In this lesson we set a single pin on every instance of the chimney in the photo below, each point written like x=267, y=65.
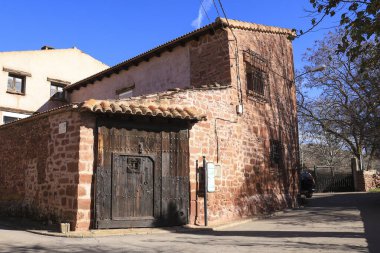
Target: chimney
x=47, y=48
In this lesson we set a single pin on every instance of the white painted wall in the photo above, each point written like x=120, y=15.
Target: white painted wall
x=69, y=65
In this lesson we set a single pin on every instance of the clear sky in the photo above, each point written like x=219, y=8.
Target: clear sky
x=115, y=30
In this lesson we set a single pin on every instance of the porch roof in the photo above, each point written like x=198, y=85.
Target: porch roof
x=142, y=107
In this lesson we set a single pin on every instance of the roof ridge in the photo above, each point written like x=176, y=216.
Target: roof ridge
x=245, y=25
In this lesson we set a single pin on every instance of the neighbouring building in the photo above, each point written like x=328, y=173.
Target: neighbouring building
x=122, y=152
x=29, y=79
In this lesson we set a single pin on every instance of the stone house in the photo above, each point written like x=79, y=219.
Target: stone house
x=32, y=80
x=123, y=151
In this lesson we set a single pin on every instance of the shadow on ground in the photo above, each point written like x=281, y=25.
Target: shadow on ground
x=369, y=206
x=328, y=209
x=22, y=224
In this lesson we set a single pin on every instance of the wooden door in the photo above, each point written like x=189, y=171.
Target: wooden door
x=132, y=188
x=142, y=174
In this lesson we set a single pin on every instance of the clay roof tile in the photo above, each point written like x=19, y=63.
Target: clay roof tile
x=141, y=107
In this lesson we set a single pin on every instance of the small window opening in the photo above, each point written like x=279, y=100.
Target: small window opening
x=56, y=90
x=275, y=151
x=16, y=84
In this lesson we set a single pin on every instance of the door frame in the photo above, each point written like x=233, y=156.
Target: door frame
x=146, y=124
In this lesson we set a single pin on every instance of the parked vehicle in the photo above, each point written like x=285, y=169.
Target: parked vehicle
x=307, y=184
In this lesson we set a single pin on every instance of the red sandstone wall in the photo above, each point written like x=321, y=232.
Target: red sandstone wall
x=210, y=60
x=42, y=172
x=248, y=184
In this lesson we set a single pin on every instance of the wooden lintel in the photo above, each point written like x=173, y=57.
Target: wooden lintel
x=15, y=110
x=54, y=80
x=17, y=72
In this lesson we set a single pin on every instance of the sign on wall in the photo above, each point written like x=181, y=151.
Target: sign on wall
x=62, y=127
x=210, y=177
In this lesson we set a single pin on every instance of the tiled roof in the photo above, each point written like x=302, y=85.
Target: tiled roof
x=146, y=108
x=145, y=104
x=182, y=40
x=256, y=27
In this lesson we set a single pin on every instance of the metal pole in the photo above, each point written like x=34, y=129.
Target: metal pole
x=205, y=191
x=196, y=189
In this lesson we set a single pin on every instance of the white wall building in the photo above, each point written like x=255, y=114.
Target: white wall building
x=31, y=81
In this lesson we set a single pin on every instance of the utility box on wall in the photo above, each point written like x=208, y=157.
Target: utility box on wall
x=210, y=177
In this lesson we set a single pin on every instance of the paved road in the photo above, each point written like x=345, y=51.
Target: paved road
x=347, y=222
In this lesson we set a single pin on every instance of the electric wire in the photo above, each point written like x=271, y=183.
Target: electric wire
x=209, y=20
x=238, y=80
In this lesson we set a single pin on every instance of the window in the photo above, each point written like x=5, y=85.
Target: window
x=126, y=92
x=56, y=90
x=275, y=151
x=255, y=81
x=8, y=119
x=256, y=75
x=16, y=84
x=11, y=116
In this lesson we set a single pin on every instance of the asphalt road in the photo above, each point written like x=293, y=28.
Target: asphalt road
x=348, y=222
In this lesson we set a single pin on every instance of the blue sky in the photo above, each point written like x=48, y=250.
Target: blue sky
x=115, y=30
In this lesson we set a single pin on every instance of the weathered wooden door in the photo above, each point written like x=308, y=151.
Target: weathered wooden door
x=142, y=174
x=132, y=187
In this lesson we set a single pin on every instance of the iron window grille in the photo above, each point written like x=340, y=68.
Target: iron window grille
x=275, y=151
x=256, y=75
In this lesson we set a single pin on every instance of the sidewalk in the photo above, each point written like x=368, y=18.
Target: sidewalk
x=53, y=230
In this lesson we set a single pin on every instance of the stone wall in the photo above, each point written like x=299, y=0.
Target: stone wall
x=162, y=72
x=247, y=184
x=42, y=171
x=210, y=59
x=371, y=179
x=250, y=183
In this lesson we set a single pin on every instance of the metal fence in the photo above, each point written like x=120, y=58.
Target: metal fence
x=328, y=179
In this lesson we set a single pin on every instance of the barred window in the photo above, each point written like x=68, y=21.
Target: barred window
x=255, y=81
x=275, y=151
x=256, y=74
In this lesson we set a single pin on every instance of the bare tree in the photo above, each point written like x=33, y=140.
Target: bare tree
x=360, y=22
x=320, y=148
x=342, y=101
